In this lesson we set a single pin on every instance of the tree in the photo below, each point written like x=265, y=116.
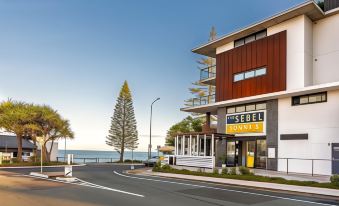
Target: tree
x=49, y=124
x=200, y=90
x=16, y=117
x=30, y=120
x=123, y=133
x=189, y=124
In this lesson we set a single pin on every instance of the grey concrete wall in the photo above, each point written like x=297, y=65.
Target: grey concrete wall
x=221, y=126
x=272, y=131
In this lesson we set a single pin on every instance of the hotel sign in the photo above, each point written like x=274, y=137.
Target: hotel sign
x=246, y=123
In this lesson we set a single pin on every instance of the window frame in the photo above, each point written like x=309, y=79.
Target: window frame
x=255, y=35
x=308, y=99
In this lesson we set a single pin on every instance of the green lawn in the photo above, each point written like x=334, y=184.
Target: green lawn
x=248, y=177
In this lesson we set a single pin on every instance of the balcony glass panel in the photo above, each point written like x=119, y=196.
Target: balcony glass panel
x=207, y=73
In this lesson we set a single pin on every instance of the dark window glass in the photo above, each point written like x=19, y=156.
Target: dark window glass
x=239, y=42
x=249, y=39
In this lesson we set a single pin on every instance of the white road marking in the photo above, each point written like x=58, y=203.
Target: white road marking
x=87, y=184
x=228, y=190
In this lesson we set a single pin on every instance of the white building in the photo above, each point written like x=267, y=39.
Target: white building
x=277, y=95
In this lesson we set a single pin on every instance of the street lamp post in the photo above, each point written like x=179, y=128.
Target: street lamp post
x=150, y=131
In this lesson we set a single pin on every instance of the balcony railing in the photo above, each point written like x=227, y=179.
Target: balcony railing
x=207, y=73
x=209, y=99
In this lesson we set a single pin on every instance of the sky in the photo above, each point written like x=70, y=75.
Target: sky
x=75, y=56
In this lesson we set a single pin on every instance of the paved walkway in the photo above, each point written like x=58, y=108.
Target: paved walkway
x=263, y=185
x=292, y=176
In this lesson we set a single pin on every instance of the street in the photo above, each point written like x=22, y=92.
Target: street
x=108, y=185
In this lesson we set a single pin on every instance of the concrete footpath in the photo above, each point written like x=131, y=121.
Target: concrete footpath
x=262, y=185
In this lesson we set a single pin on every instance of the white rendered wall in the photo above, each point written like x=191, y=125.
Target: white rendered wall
x=225, y=47
x=320, y=121
x=326, y=50
x=299, y=50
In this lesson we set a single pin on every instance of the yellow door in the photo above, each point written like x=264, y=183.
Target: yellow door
x=250, y=154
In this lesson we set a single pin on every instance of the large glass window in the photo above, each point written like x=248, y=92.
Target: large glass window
x=230, y=154
x=261, y=154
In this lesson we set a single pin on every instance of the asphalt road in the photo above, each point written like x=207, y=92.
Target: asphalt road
x=108, y=185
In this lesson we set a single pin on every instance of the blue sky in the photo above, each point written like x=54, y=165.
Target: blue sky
x=75, y=55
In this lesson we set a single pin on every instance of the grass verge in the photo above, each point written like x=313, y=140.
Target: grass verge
x=248, y=177
x=28, y=164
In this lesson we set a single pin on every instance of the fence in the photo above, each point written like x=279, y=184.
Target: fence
x=304, y=165
x=88, y=159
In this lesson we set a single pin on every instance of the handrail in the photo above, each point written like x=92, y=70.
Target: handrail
x=207, y=72
x=208, y=99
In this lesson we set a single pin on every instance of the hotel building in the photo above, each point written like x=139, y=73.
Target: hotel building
x=276, y=95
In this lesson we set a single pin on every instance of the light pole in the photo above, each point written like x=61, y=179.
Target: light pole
x=150, y=131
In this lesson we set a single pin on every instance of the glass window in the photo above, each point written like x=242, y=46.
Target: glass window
x=323, y=97
x=249, y=74
x=261, y=34
x=239, y=42
x=261, y=71
x=230, y=110
x=303, y=100
x=314, y=98
x=309, y=99
x=240, y=109
x=230, y=153
x=238, y=77
x=249, y=39
x=260, y=106
x=250, y=107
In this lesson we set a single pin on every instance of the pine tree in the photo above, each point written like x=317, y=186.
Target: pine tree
x=123, y=133
x=200, y=90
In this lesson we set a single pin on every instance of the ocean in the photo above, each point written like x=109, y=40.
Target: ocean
x=103, y=156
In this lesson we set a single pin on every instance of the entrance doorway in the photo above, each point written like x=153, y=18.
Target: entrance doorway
x=248, y=152
x=335, y=158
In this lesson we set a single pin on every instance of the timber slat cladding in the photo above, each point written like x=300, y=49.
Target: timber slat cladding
x=269, y=52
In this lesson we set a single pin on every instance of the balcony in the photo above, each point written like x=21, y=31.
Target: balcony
x=209, y=99
x=207, y=75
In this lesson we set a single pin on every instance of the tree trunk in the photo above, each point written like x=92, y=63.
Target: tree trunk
x=19, y=141
x=45, y=153
x=49, y=152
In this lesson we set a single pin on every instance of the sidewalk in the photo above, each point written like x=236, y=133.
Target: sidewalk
x=262, y=185
x=292, y=176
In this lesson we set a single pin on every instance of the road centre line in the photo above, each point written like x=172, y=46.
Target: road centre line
x=223, y=189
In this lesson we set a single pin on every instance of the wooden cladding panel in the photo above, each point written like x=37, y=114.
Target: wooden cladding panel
x=269, y=52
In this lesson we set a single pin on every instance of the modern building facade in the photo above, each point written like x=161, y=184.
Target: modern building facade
x=277, y=95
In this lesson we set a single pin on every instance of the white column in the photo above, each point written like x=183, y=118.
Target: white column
x=198, y=145
x=190, y=146
x=212, y=153
x=205, y=145
x=176, y=145
x=183, y=145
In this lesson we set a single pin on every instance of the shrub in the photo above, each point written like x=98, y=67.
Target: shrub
x=224, y=171
x=244, y=171
x=215, y=171
x=166, y=167
x=233, y=171
x=335, y=180
x=15, y=160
